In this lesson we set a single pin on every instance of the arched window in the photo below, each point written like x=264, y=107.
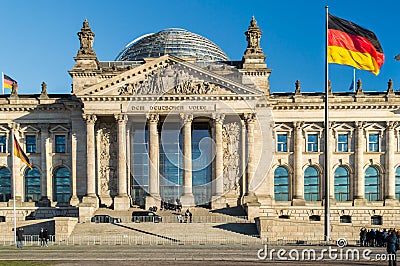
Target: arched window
x=372, y=184
x=398, y=183
x=311, y=184
x=5, y=184
x=341, y=184
x=32, y=185
x=62, y=185
x=281, y=184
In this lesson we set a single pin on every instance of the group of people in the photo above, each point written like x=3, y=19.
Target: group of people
x=171, y=205
x=188, y=217
x=382, y=238
x=43, y=237
x=376, y=237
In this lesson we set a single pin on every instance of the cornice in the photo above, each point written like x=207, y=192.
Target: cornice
x=143, y=98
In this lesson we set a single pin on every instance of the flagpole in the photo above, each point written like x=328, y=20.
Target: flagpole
x=2, y=82
x=13, y=180
x=326, y=131
x=354, y=80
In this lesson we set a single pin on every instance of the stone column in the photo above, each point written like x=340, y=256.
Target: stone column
x=121, y=201
x=359, y=181
x=154, y=153
x=44, y=158
x=74, y=198
x=187, y=199
x=217, y=200
x=91, y=197
x=243, y=160
x=250, y=196
x=298, y=179
x=390, y=198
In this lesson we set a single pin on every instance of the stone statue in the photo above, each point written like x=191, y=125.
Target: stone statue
x=43, y=93
x=14, y=89
x=86, y=38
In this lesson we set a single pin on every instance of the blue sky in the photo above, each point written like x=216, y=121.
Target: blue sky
x=39, y=37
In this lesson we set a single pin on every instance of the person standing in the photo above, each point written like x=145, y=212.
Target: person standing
x=391, y=247
x=20, y=237
x=46, y=238
x=42, y=239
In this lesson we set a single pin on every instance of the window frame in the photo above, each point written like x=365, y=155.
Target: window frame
x=312, y=143
x=340, y=144
x=317, y=185
x=28, y=146
x=4, y=148
x=348, y=185
x=282, y=185
x=279, y=144
x=378, y=143
x=55, y=142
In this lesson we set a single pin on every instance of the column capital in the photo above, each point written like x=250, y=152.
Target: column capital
x=89, y=118
x=153, y=118
x=186, y=118
x=249, y=117
x=298, y=125
x=218, y=117
x=121, y=118
x=391, y=125
x=14, y=126
x=360, y=124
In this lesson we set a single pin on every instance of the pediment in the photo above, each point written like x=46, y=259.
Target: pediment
x=374, y=127
x=343, y=127
x=59, y=129
x=282, y=128
x=169, y=75
x=313, y=128
x=30, y=129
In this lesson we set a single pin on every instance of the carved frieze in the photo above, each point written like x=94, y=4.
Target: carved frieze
x=169, y=81
x=231, y=136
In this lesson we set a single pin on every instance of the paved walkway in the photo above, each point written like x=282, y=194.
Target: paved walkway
x=172, y=255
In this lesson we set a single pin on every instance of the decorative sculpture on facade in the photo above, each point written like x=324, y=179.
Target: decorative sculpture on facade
x=253, y=36
x=107, y=134
x=169, y=81
x=231, y=136
x=86, y=39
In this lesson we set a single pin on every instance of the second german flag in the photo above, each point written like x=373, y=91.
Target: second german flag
x=350, y=44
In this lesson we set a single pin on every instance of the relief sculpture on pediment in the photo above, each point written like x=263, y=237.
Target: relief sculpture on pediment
x=169, y=81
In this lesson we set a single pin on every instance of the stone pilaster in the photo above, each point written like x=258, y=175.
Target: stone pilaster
x=187, y=199
x=45, y=158
x=251, y=196
x=154, y=153
x=122, y=201
x=74, y=198
x=218, y=201
x=298, y=197
x=359, y=180
x=390, y=198
x=243, y=160
x=91, y=197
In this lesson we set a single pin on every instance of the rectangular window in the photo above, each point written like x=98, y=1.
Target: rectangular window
x=282, y=143
x=312, y=142
x=30, y=142
x=60, y=143
x=343, y=143
x=373, y=142
x=3, y=144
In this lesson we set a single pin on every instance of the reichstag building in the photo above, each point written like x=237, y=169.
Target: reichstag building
x=174, y=119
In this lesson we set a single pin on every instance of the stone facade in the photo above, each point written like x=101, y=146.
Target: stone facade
x=254, y=132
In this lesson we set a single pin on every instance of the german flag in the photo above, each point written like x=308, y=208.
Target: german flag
x=7, y=82
x=20, y=153
x=350, y=44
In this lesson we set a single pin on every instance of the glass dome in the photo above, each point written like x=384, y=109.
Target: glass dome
x=177, y=42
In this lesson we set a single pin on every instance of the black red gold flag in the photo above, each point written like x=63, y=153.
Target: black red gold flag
x=350, y=44
x=18, y=152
